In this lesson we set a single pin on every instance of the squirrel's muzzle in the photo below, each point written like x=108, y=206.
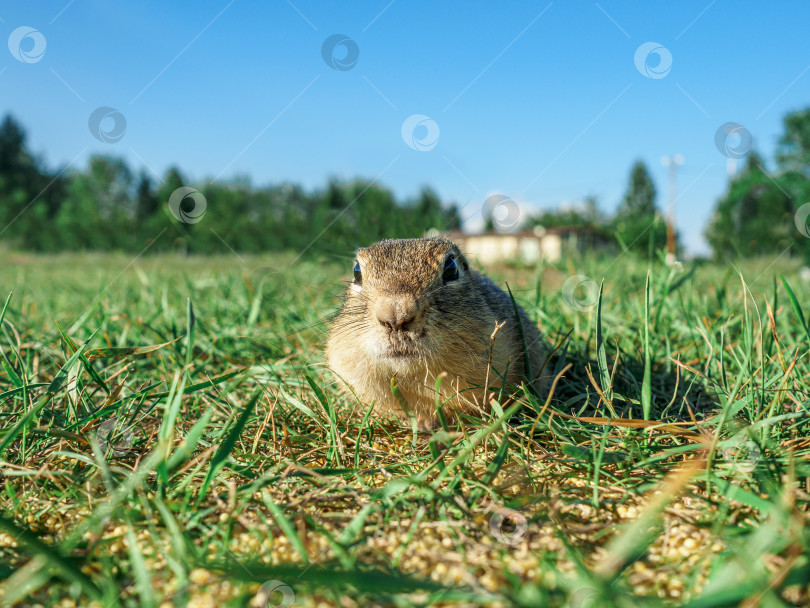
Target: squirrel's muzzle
x=396, y=313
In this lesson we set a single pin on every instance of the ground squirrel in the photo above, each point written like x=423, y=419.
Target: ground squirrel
x=416, y=309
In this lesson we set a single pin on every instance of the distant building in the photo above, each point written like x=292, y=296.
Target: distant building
x=530, y=246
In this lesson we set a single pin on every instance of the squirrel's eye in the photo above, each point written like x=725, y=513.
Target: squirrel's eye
x=358, y=276
x=450, y=270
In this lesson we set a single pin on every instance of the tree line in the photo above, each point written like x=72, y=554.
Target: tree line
x=108, y=206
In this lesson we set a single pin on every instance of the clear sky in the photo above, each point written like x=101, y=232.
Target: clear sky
x=542, y=102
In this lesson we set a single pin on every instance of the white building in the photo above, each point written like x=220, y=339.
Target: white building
x=529, y=246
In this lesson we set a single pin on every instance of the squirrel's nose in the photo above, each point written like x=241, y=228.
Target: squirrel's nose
x=396, y=314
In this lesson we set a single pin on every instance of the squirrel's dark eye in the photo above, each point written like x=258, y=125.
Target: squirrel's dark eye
x=358, y=276
x=450, y=270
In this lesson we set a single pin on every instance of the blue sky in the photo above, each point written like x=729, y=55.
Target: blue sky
x=541, y=102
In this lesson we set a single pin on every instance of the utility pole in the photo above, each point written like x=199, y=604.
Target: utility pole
x=672, y=163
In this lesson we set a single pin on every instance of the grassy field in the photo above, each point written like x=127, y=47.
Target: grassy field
x=169, y=436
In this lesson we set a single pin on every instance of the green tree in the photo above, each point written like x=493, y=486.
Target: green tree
x=637, y=221
x=177, y=236
x=171, y=182
x=757, y=214
x=148, y=203
x=99, y=210
x=290, y=209
x=374, y=214
x=639, y=200
x=793, y=153
x=793, y=158
x=113, y=187
x=19, y=174
x=452, y=216
x=428, y=211
x=755, y=217
x=29, y=196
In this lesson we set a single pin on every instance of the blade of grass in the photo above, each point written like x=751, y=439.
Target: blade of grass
x=403, y=403
x=601, y=355
x=227, y=446
x=143, y=580
x=66, y=568
x=52, y=389
x=286, y=526
x=85, y=361
x=171, y=411
x=5, y=308
x=646, y=384
x=492, y=469
x=190, y=441
x=126, y=351
x=190, y=323
x=796, y=306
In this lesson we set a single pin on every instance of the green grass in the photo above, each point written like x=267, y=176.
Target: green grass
x=169, y=435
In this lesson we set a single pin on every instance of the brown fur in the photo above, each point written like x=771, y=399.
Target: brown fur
x=448, y=329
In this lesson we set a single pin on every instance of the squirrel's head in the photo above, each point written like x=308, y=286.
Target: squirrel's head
x=408, y=297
